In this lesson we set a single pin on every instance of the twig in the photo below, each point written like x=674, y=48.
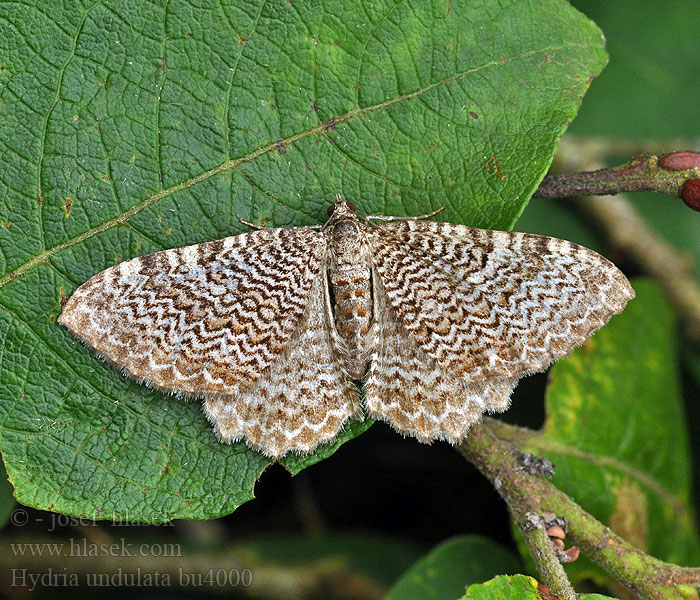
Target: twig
x=645, y=172
x=546, y=560
x=524, y=492
x=478, y=450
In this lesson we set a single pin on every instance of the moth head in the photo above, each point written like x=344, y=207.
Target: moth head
x=341, y=207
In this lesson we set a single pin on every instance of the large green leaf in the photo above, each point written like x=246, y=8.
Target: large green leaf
x=446, y=571
x=133, y=127
x=513, y=587
x=616, y=430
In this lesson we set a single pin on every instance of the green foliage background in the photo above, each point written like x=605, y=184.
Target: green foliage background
x=166, y=124
x=131, y=127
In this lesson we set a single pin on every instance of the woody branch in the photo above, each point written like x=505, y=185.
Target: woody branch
x=528, y=493
x=676, y=174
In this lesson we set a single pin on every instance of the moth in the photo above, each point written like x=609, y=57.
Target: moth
x=287, y=333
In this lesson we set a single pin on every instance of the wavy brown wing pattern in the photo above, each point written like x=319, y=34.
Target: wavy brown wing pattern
x=488, y=303
x=302, y=400
x=203, y=319
x=417, y=396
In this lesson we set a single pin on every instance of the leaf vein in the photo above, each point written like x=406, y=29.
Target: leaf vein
x=229, y=165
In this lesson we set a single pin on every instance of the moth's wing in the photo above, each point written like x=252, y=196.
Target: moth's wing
x=302, y=399
x=203, y=319
x=490, y=303
x=407, y=388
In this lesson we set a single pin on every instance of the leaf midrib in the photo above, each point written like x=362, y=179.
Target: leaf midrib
x=231, y=164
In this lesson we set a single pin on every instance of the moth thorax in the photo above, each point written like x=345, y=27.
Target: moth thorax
x=352, y=296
